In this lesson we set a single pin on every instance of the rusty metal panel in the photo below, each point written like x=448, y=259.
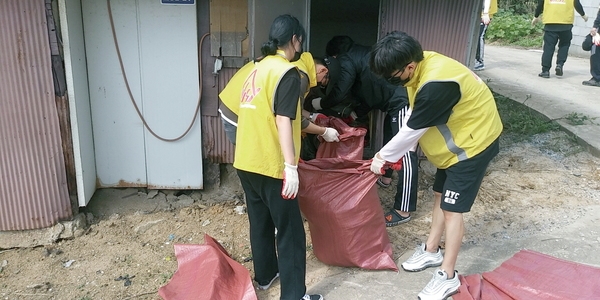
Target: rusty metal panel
x=217, y=148
x=33, y=183
x=447, y=27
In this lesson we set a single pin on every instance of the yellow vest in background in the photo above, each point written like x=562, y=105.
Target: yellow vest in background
x=306, y=64
x=257, y=144
x=493, y=8
x=474, y=123
x=558, y=12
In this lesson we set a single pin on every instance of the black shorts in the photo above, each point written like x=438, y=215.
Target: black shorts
x=460, y=183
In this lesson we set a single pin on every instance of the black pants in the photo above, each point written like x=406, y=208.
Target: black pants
x=595, y=64
x=267, y=210
x=481, y=42
x=551, y=38
x=408, y=176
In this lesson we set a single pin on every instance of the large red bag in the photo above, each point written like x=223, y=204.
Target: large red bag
x=207, y=272
x=351, y=144
x=339, y=199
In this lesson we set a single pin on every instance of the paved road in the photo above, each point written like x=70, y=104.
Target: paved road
x=513, y=73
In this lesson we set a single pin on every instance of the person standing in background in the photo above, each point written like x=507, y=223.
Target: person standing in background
x=558, y=21
x=591, y=43
x=490, y=7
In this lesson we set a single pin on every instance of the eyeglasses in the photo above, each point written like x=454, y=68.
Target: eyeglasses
x=396, y=73
x=393, y=78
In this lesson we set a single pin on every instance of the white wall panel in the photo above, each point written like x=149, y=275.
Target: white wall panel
x=159, y=52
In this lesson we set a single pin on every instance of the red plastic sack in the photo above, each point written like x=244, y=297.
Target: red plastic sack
x=207, y=272
x=340, y=202
x=351, y=144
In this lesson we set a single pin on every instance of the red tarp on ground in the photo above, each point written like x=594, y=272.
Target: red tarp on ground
x=533, y=275
x=207, y=272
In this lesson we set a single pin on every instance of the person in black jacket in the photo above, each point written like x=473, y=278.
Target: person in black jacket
x=591, y=43
x=366, y=91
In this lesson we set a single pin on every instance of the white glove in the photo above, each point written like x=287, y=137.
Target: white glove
x=330, y=135
x=485, y=19
x=596, y=39
x=290, y=182
x=377, y=164
x=316, y=103
x=585, y=18
x=535, y=21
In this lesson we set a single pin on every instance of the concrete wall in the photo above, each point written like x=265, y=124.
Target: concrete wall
x=581, y=28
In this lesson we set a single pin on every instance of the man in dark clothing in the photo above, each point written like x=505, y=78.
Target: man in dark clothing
x=558, y=22
x=359, y=87
x=591, y=43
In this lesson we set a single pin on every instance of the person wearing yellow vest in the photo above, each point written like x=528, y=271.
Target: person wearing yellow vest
x=453, y=117
x=490, y=7
x=266, y=159
x=312, y=71
x=558, y=20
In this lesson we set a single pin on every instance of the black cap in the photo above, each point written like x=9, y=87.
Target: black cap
x=334, y=71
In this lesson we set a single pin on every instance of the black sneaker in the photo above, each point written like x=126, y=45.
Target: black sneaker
x=591, y=82
x=558, y=70
x=544, y=74
x=312, y=297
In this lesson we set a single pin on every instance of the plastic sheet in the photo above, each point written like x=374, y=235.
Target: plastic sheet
x=533, y=275
x=207, y=272
x=340, y=202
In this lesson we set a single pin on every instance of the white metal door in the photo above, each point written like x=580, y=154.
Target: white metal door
x=79, y=101
x=158, y=46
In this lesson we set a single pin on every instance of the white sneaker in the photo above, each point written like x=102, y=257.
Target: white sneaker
x=268, y=285
x=421, y=260
x=440, y=287
x=312, y=297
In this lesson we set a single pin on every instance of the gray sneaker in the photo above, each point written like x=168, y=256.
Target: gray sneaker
x=268, y=285
x=479, y=66
x=421, y=260
x=440, y=287
x=312, y=297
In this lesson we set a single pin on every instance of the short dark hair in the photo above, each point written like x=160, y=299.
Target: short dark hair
x=338, y=45
x=393, y=52
x=282, y=30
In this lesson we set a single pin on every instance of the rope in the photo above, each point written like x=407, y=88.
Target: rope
x=139, y=113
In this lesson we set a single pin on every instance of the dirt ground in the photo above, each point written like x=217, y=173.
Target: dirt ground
x=539, y=184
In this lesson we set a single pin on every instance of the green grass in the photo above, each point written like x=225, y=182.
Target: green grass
x=510, y=29
x=520, y=120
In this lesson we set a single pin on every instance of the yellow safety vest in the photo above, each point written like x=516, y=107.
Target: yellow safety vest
x=474, y=123
x=230, y=95
x=257, y=142
x=306, y=64
x=493, y=8
x=558, y=12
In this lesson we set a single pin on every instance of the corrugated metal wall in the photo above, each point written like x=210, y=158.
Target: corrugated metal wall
x=448, y=27
x=33, y=183
x=217, y=148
